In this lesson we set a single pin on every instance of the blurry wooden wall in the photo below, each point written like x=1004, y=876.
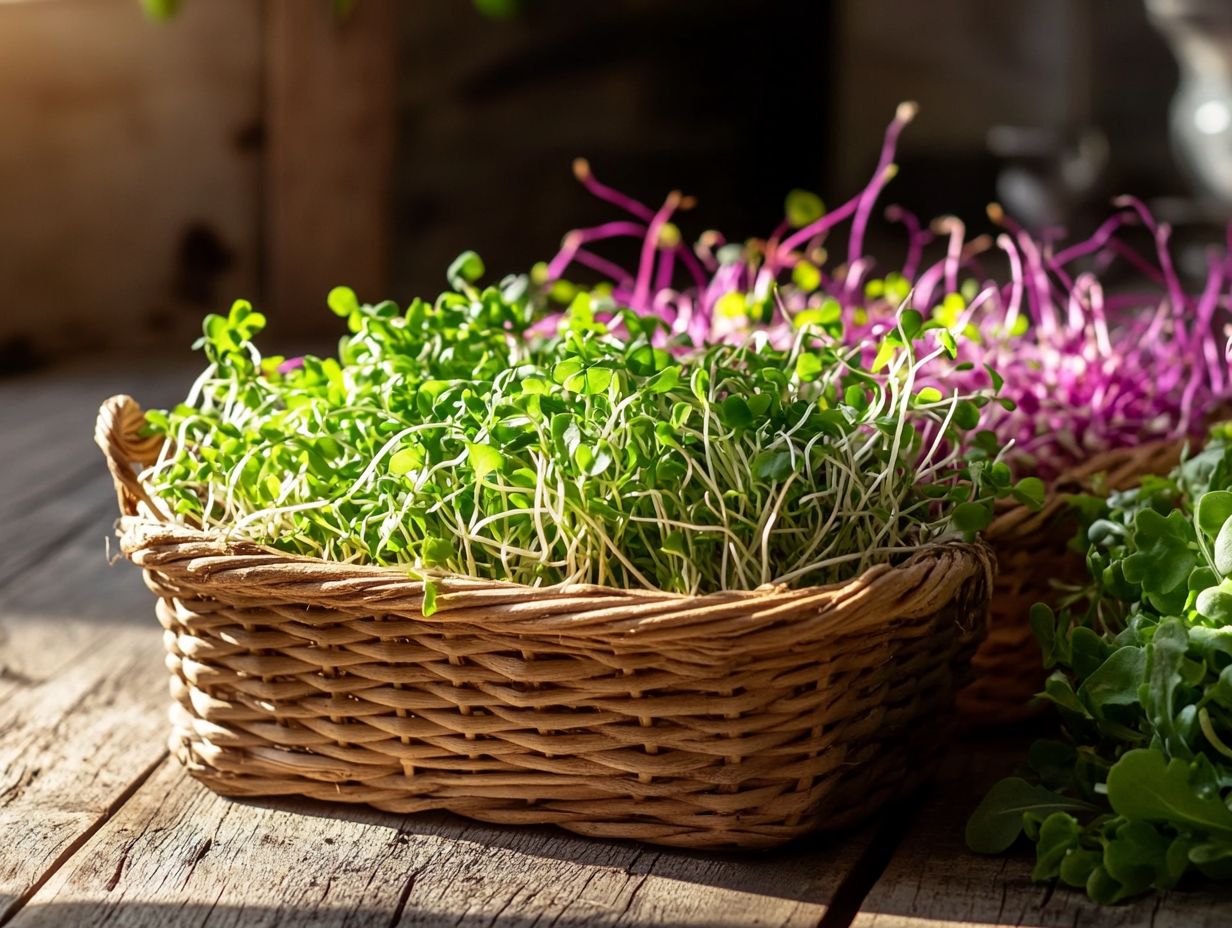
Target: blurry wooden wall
x=129, y=170
x=153, y=171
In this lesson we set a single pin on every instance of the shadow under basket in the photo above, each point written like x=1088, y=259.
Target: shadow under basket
x=1034, y=564
x=740, y=719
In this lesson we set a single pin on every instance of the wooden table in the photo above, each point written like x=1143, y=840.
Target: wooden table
x=99, y=827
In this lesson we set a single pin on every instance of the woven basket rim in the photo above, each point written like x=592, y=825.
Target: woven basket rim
x=153, y=539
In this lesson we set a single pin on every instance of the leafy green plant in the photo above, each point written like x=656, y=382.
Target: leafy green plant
x=450, y=437
x=1139, y=793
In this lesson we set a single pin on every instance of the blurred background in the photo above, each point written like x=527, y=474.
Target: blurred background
x=157, y=162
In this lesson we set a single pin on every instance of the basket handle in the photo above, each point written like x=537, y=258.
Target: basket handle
x=117, y=432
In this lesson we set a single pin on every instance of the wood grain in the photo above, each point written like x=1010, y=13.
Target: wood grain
x=178, y=854
x=934, y=881
x=82, y=714
x=82, y=689
x=54, y=477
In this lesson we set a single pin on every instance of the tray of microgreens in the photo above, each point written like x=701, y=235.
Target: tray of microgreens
x=464, y=436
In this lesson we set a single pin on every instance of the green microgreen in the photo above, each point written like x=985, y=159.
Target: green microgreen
x=456, y=437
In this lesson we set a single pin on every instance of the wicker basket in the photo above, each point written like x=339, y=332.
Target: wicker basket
x=1034, y=559
x=727, y=720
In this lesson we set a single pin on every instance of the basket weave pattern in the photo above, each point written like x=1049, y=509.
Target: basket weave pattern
x=1034, y=561
x=726, y=720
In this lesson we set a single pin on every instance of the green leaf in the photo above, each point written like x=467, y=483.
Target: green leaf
x=1213, y=859
x=436, y=551
x=735, y=412
x=406, y=460
x=885, y=354
x=1054, y=645
x=699, y=384
x=1058, y=836
x=1078, y=867
x=1030, y=491
x=1163, y=557
x=803, y=208
x=665, y=381
x=484, y=459
x=342, y=301
x=566, y=370
x=645, y=361
x=808, y=367
x=1214, y=510
x=1136, y=857
x=911, y=322
x=998, y=820
x=674, y=544
x=773, y=465
x=759, y=404
x=996, y=379
x=590, y=382
x=429, y=597
x=1164, y=673
x=465, y=269
x=970, y=518
x=1223, y=548
x=1143, y=785
x=966, y=415
x=1215, y=603
x=1059, y=690
x=1115, y=682
x=806, y=276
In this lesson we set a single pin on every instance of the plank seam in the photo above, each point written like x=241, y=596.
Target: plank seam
x=67, y=854
x=869, y=867
x=403, y=898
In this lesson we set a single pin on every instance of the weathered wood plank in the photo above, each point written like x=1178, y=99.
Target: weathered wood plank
x=177, y=854
x=82, y=705
x=54, y=476
x=47, y=425
x=933, y=880
x=82, y=689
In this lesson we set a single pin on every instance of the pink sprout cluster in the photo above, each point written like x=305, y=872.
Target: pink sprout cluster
x=1087, y=370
